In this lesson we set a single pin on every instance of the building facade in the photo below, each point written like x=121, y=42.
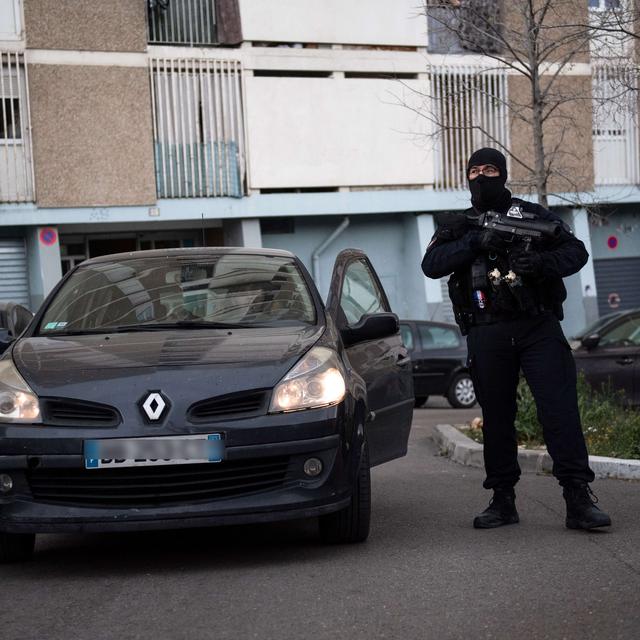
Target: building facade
x=294, y=124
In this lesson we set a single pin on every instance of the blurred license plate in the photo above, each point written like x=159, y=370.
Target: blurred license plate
x=139, y=452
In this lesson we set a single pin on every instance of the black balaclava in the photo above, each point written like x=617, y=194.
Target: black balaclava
x=489, y=193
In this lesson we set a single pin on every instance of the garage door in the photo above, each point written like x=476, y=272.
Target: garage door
x=618, y=284
x=14, y=276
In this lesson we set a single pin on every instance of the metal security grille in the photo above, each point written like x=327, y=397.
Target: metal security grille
x=198, y=127
x=190, y=22
x=615, y=125
x=16, y=168
x=617, y=284
x=469, y=111
x=14, y=276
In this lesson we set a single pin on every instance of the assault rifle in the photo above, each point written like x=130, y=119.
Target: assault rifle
x=516, y=224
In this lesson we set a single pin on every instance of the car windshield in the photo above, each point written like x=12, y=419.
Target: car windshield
x=147, y=293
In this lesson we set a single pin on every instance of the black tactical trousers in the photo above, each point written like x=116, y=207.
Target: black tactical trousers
x=497, y=353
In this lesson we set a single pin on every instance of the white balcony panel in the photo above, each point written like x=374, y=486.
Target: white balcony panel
x=324, y=132
x=10, y=20
x=616, y=141
x=384, y=22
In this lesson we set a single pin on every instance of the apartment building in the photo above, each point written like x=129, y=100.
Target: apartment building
x=295, y=124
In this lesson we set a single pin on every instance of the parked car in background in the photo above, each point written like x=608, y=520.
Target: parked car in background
x=439, y=356
x=198, y=387
x=609, y=354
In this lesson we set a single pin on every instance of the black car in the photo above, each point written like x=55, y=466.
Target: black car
x=198, y=387
x=439, y=356
x=609, y=354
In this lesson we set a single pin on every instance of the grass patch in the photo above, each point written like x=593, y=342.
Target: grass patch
x=610, y=428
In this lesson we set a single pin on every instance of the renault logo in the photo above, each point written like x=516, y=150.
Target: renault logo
x=154, y=406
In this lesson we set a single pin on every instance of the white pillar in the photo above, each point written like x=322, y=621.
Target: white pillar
x=45, y=268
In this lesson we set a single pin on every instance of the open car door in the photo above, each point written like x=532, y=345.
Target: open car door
x=383, y=363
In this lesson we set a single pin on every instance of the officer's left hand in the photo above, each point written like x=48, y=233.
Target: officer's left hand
x=528, y=263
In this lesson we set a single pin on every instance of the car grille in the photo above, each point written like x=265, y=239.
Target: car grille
x=240, y=405
x=162, y=485
x=61, y=411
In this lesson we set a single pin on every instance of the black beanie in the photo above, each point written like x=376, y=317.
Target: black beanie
x=489, y=156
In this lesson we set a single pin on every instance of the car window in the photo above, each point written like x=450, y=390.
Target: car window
x=438, y=337
x=236, y=288
x=406, y=335
x=360, y=293
x=625, y=334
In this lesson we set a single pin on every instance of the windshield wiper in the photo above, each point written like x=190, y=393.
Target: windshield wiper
x=182, y=324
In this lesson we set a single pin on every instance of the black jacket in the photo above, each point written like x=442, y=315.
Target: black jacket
x=451, y=252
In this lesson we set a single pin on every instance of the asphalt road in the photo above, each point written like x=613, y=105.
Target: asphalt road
x=424, y=572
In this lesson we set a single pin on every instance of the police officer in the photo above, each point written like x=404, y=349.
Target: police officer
x=507, y=296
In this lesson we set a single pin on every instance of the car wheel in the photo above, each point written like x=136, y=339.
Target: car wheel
x=351, y=524
x=16, y=547
x=461, y=394
x=420, y=400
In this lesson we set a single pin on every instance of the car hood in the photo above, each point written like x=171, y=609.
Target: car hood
x=195, y=363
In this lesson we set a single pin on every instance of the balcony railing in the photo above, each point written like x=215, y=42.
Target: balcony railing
x=198, y=128
x=16, y=167
x=182, y=22
x=468, y=112
x=616, y=144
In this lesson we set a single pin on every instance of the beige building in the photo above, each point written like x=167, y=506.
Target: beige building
x=309, y=125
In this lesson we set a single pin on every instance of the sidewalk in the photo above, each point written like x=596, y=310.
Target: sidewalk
x=461, y=449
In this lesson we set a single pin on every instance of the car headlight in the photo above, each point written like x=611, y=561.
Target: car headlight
x=18, y=403
x=316, y=381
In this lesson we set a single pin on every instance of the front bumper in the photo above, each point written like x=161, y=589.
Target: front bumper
x=28, y=508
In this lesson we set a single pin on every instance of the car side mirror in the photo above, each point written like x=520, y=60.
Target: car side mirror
x=14, y=319
x=591, y=341
x=371, y=327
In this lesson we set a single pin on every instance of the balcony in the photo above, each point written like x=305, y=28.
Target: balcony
x=182, y=22
x=468, y=112
x=16, y=167
x=198, y=128
x=616, y=143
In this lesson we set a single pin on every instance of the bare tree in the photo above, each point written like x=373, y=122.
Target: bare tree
x=539, y=43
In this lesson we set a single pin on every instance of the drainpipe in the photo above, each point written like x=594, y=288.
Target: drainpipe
x=317, y=252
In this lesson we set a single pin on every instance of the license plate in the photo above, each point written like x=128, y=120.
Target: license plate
x=152, y=452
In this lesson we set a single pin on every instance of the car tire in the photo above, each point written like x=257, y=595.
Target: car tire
x=351, y=524
x=16, y=547
x=420, y=400
x=461, y=394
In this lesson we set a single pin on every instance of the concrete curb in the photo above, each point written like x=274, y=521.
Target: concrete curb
x=463, y=450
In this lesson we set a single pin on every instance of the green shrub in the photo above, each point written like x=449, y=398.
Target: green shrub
x=610, y=428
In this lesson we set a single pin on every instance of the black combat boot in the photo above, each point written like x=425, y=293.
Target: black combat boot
x=582, y=513
x=501, y=510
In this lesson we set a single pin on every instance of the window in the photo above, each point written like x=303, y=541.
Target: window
x=438, y=337
x=10, y=128
x=10, y=20
x=360, y=293
x=191, y=22
x=407, y=336
x=624, y=335
x=604, y=5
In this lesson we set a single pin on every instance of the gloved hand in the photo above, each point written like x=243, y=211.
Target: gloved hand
x=529, y=263
x=489, y=240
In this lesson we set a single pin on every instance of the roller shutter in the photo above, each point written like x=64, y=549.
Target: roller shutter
x=14, y=276
x=617, y=281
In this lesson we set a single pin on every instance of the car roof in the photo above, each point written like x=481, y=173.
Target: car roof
x=190, y=252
